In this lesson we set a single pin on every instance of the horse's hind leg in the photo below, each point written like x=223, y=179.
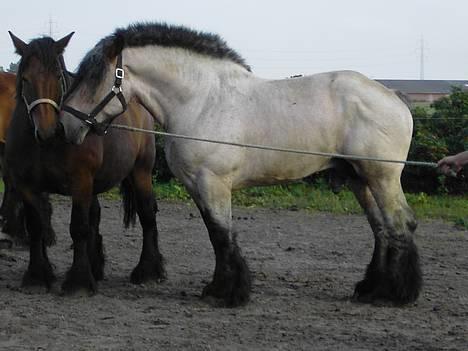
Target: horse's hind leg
x=95, y=246
x=231, y=280
x=151, y=265
x=368, y=287
x=394, y=273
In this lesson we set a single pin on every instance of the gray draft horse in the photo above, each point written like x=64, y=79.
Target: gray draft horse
x=194, y=84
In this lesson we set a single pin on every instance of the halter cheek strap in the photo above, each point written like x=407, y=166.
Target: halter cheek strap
x=100, y=128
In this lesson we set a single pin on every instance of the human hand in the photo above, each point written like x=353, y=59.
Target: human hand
x=449, y=166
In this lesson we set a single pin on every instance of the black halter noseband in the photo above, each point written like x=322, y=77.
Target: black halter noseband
x=64, y=86
x=100, y=128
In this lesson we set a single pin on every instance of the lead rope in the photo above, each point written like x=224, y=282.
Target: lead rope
x=272, y=148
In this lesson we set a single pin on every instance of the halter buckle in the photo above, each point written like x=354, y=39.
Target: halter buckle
x=116, y=90
x=119, y=73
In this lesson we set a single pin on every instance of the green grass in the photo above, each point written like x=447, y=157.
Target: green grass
x=320, y=198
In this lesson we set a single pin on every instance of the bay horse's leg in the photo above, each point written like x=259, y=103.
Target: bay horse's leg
x=12, y=212
x=49, y=234
x=151, y=264
x=80, y=275
x=5, y=199
x=395, y=274
x=95, y=246
x=231, y=280
x=39, y=270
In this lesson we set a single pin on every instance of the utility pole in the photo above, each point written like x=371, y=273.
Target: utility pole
x=52, y=23
x=421, y=63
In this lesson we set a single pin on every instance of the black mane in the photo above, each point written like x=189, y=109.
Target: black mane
x=93, y=67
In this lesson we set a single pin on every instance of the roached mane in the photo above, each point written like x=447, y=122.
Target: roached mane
x=93, y=67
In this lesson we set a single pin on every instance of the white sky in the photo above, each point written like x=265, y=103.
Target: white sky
x=379, y=38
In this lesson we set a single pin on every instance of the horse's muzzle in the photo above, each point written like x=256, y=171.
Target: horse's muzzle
x=43, y=136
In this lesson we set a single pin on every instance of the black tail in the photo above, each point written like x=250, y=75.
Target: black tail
x=127, y=191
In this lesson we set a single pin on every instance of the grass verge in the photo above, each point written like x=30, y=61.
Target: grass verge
x=320, y=198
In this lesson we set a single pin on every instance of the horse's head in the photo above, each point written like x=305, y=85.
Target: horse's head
x=96, y=97
x=42, y=82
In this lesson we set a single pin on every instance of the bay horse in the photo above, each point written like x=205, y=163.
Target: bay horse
x=39, y=161
x=7, y=105
x=11, y=210
x=194, y=84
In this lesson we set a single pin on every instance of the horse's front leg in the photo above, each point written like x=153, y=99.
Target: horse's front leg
x=37, y=218
x=80, y=275
x=231, y=280
x=95, y=245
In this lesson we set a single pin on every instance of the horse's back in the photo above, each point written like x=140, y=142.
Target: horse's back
x=361, y=115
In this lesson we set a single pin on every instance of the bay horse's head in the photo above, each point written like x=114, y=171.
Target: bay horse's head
x=96, y=97
x=42, y=81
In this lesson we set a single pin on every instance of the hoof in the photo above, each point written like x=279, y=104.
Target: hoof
x=234, y=284
x=149, y=270
x=97, y=259
x=367, y=291
x=39, y=277
x=233, y=296
x=79, y=283
x=399, y=284
x=98, y=272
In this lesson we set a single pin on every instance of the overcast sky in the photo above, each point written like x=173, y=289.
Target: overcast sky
x=379, y=38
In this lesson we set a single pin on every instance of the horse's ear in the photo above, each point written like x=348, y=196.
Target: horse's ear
x=115, y=47
x=20, y=45
x=61, y=44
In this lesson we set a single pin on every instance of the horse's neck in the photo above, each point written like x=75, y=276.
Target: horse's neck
x=170, y=80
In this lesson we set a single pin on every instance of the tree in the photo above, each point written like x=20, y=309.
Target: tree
x=13, y=67
x=444, y=131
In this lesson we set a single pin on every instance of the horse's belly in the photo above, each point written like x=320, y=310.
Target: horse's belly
x=264, y=171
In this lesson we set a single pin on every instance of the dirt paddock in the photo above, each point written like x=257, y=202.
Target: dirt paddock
x=304, y=266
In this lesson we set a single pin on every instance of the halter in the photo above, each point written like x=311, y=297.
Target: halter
x=100, y=128
x=63, y=87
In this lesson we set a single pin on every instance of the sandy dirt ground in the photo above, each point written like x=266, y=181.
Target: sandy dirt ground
x=304, y=265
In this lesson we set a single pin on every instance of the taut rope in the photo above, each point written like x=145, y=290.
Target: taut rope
x=272, y=148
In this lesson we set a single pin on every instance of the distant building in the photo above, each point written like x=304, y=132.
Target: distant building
x=424, y=91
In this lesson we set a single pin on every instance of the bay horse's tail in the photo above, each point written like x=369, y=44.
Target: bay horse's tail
x=127, y=191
